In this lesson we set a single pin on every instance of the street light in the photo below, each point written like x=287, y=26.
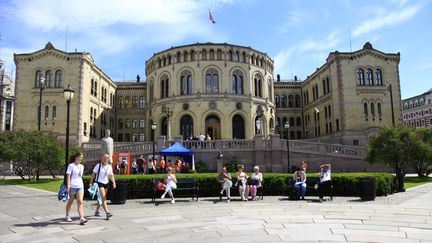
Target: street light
x=287, y=125
x=41, y=88
x=153, y=128
x=68, y=94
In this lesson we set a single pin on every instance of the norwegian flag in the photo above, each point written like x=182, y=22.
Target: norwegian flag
x=211, y=18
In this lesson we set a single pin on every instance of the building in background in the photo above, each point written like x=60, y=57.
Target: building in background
x=417, y=110
x=225, y=91
x=6, y=100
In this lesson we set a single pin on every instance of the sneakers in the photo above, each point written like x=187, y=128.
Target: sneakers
x=83, y=221
x=221, y=192
x=68, y=219
x=228, y=200
x=163, y=196
x=172, y=201
x=98, y=214
x=108, y=216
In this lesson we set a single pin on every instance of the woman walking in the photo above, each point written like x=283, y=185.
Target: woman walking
x=75, y=187
x=171, y=184
x=100, y=175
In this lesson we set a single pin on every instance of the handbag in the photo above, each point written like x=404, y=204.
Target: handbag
x=160, y=186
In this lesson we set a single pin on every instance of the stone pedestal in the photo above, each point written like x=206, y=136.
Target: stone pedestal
x=220, y=164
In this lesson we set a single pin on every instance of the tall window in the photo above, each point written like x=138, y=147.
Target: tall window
x=127, y=124
x=178, y=57
x=204, y=54
x=95, y=89
x=219, y=54
x=369, y=77
x=186, y=127
x=258, y=85
x=120, y=103
x=134, y=123
x=164, y=82
x=212, y=81
x=283, y=101
x=212, y=54
x=297, y=101
x=142, y=123
x=192, y=55
x=135, y=102
x=277, y=101
x=290, y=101
x=48, y=79
x=141, y=102
x=379, y=111
x=373, y=111
x=378, y=77
x=270, y=90
x=298, y=121
x=127, y=102
x=38, y=77
x=186, y=83
x=92, y=87
x=365, y=110
x=54, y=112
x=58, y=79
x=46, y=112
x=151, y=96
x=360, y=77
x=237, y=82
x=238, y=128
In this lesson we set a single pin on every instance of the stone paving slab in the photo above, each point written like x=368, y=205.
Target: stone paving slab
x=402, y=217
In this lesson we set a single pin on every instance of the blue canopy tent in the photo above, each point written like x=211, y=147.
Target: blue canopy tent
x=178, y=150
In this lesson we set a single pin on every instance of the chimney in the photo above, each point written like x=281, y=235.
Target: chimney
x=138, y=78
x=278, y=78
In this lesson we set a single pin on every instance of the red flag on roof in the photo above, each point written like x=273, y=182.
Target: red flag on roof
x=211, y=18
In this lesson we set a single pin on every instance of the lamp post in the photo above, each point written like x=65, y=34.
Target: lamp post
x=153, y=128
x=41, y=88
x=287, y=125
x=68, y=94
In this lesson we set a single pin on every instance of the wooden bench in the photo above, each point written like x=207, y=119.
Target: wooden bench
x=310, y=188
x=235, y=192
x=184, y=186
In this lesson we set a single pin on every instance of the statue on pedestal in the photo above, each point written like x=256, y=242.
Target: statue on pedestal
x=107, y=145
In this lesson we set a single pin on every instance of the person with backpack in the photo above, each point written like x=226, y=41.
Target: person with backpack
x=101, y=172
x=75, y=186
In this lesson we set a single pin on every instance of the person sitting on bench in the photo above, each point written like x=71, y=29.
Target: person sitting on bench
x=226, y=183
x=170, y=181
x=325, y=180
x=242, y=183
x=257, y=178
x=300, y=182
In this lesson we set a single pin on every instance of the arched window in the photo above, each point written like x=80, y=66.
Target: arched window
x=291, y=121
x=164, y=61
x=283, y=101
x=127, y=124
x=244, y=57
x=204, y=54
x=141, y=102
x=164, y=127
x=237, y=82
x=373, y=110
x=142, y=123
x=95, y=89
x=238, y=127
x=186, y=83
x=151, y=96
x=379, y=111
x=258, y=85
x=270, y=90
x=219, y=54
x=277, y=101
x=169, y=59
x=178, y=57
x=212, y=54
x=54, y=113
x=252, y=59
x=298, y=121
x=212, y=81
x=192, y=55
x=134, y=102
x=164, y=86
x=91, y=114
x=46, y=112
x=120, y=103
x=278, y=121
x=378, y=77
x=186, y=127
x=127, y=102
x=38, y=77
x=134, y=123
x=297, y=101
x=120, y=124
x=369, y=77
x=290, y=101
x=58, y=79
x=230, y=53
x=236, y=56
x=185, y=56
x=92, y=87
x=365, y=110
x=48, y=79
x=360, y=77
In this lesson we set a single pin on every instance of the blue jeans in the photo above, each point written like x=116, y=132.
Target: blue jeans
x=300, y=188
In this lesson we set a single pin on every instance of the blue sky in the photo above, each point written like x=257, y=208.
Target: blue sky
x=297, y=34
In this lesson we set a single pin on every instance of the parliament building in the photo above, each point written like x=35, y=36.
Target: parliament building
x=223, y=90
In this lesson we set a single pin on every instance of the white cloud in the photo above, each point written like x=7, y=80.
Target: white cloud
x=384, y=18
x=293, y=19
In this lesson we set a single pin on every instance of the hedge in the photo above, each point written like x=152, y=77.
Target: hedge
x=275, y=184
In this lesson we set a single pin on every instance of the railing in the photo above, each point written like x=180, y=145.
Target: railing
x=97, y=145
x=336, y=150
x=240, y=144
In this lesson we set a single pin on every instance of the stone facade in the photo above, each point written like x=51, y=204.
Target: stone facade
x=91, y=109
x=6, y=100
x=417, y=110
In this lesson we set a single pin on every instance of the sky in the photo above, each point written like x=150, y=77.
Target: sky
x=298, y=35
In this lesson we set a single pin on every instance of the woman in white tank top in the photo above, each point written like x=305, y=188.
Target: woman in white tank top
x=170, y=181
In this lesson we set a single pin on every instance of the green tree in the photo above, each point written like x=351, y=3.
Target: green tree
x=30, y=151
x=420, y=151
x=390, y=146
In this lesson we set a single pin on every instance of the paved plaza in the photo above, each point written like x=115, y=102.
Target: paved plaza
x=29, y=215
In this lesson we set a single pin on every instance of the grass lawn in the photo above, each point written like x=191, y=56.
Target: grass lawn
x=51, y=185
x=416, y=181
